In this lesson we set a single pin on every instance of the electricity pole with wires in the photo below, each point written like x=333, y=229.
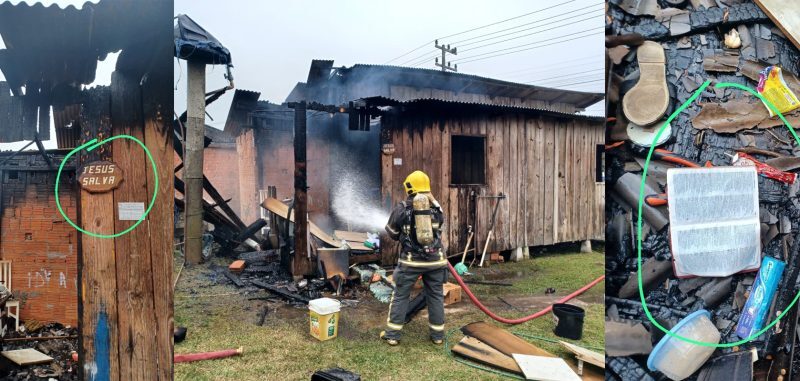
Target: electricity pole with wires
x=445, y=49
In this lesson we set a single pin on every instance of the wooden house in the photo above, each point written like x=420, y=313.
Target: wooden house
x=476, y=138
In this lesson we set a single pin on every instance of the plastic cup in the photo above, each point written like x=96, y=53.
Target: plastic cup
x=678, y=359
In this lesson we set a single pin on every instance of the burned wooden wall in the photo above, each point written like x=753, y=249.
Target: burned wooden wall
x=126, y=281
x=275, y=167
x=545, y=165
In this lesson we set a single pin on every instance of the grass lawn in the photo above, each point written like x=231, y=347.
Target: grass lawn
x=219, y=318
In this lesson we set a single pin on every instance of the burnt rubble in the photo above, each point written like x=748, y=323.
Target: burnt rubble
x=263, y=272
x=669, y=299
x=63, y=367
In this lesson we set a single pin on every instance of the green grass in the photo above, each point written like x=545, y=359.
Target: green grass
x=282, y=349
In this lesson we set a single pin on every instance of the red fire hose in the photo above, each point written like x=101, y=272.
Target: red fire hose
x=188, y=357
x=501, y=319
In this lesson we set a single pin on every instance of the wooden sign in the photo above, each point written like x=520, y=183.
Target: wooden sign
x=100, y=176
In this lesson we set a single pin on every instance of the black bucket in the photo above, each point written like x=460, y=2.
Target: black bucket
x=569, y=321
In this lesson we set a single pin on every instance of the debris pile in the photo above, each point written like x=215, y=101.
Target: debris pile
x=53, y=340
x=652, y=50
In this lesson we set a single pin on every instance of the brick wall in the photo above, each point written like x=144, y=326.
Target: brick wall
x=276, y=162
x=41, y=245
x=221, y=167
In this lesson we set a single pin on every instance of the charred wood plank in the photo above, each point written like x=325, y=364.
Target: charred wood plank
x=220, y=201
x=233, y=278
x=281, y=292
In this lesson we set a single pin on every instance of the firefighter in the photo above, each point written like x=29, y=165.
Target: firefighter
x=417, y=223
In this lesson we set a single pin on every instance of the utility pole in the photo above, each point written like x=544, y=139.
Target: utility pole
x=193, y=161
x=446, y=49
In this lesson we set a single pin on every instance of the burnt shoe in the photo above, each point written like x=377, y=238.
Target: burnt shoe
x=389, y=341
x=648, y=100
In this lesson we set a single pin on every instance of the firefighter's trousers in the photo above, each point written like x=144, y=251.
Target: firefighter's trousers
x=433, y=280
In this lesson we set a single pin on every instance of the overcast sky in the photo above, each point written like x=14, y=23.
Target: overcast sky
x=272, y=43
x=555, y=43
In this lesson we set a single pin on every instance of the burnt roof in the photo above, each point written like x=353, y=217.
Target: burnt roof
x=433, y=104
x=219, y=137
x=450, y=81
x=54, y=45
x=194, y=43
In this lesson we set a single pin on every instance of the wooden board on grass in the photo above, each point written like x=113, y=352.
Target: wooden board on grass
x=508, y=344
x=478, y=351
x=585, y=355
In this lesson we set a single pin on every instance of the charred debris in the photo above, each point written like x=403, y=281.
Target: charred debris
x=721, y=41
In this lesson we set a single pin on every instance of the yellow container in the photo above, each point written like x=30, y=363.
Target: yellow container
x=324, y=318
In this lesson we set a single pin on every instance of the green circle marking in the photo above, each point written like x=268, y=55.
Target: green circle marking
x=89, y=146
x=639, y=222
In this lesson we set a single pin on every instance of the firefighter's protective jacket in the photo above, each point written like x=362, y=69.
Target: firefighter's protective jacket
x=401, y=227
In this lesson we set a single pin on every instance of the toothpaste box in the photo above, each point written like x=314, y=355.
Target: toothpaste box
x=755, y=310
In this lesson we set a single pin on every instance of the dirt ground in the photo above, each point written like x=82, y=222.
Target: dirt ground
x=218, y=316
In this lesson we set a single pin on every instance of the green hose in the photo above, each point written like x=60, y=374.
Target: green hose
x=549, y=340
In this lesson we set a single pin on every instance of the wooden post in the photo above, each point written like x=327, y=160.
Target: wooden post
x=158, y=139
x=301, y=264
x=193, y=162
x=98, y=318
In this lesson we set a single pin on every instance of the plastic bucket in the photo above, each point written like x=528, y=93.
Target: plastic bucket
x=323, y=314
x=678, y=359
x=569, y=321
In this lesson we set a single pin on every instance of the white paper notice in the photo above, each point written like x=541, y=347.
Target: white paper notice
x=130, y=211
x=397, y=161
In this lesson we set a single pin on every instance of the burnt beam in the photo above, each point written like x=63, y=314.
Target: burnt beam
x=301, y=265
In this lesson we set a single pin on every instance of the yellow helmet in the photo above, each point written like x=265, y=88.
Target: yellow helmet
x=417, y=182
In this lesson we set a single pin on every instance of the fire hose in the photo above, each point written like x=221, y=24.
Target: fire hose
x=501, y=319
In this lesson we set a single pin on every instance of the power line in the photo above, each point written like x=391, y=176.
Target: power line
x=529, y=34
x=422, y=62
x=557, y=70
x=550, y=78
x=518, y=26
x=566, y=81
x=415, y=59
x=474, y=29
x=534, y=27
x=418, y=57
x=523, y=45
x=502, y=21
x=557, y=64
x=576, y=83
x=409, y=52
x=474, y=58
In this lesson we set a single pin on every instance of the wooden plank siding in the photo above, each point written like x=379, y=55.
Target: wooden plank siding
x=125, y=309
x=544, y=165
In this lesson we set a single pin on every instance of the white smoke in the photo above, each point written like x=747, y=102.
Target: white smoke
x=353, y=204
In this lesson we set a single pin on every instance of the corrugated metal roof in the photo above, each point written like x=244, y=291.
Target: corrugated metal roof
x=461, y=82
x=439, y=104
x=66, y=121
